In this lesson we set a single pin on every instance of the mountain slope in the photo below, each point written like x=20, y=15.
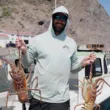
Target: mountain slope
x=89, y=22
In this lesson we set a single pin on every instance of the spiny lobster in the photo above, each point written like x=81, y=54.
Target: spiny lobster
x=20, y=81
x=90, y=90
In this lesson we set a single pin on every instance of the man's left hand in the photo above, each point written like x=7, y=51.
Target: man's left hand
x=88, y=60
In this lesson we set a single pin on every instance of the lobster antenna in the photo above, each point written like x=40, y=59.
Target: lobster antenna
x=19, y=50
x=90, y=76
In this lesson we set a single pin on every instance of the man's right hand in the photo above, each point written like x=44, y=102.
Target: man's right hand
x=20, y=44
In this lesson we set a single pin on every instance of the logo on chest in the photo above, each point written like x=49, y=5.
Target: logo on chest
x=65, y=47
x=67, y=50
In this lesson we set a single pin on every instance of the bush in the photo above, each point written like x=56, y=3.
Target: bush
x=6, y=11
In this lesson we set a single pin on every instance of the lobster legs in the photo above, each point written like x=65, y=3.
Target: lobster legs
x=8, y=94
x=85, y=107
x=90, y=90
x=36, y=78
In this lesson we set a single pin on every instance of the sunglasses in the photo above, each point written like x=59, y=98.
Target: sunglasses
x=60, y=17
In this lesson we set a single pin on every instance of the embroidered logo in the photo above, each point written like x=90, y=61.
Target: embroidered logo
x=65, y=47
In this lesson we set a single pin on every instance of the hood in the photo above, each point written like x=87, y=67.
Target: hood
x=61, y=9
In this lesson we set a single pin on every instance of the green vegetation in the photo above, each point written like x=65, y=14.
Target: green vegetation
x=6, y=11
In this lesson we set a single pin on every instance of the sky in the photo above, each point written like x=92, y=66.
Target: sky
x=106, y=5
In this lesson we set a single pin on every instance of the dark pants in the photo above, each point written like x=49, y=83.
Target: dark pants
x=23, y=107
x=37, y=105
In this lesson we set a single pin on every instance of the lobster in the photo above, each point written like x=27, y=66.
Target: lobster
x=90, y=90
x=20, y=81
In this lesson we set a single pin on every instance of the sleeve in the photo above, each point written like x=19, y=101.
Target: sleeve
x=75, y=62
x=30, y=55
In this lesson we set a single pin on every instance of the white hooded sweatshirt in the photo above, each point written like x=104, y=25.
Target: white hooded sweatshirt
x=56, y=58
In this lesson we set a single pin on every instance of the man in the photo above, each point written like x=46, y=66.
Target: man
x=56, y=58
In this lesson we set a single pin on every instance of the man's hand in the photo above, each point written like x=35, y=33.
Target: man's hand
x=88, y=60
x=20, y=44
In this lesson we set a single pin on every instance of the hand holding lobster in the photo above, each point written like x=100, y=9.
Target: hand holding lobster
x=20, y=44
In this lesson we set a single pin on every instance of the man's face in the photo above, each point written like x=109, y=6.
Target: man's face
x=59, y=22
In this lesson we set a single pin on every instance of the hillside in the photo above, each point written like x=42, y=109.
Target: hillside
x=89, y=22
